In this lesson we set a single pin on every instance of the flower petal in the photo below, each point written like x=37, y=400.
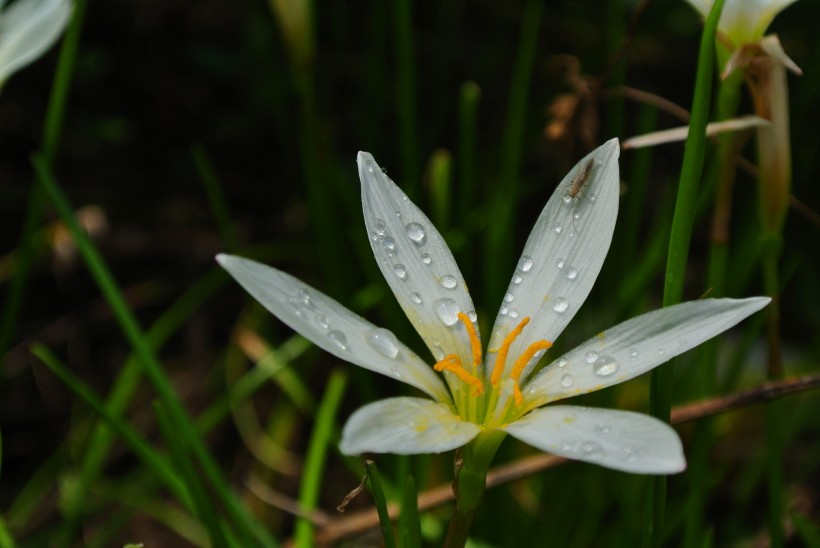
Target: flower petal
x=405, y=426
x=622, y=440
x=563, y=255
x=27, y=29
x=416, y=263
x=333, y=327
x=636, y=346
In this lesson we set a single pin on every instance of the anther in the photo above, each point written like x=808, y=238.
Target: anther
x=452, y=364
x=521, y=363
x=475, y=344
x=498, y=368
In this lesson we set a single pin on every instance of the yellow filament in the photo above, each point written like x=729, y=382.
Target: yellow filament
x=475, y=344
x=452, y=364
x=521, y=363
x=498, y=368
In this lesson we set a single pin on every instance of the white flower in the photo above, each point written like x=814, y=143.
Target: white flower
x=744, y=21
x=559, y=265
x=27, y=29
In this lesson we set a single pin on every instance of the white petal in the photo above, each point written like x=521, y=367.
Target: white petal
x=405, y=426
x=563, y=255
x=331, y=326
x=622, y=440
x=416, y=263
x=27, y=29
x=636, y=346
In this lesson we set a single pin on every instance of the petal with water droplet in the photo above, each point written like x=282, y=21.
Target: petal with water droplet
x=632, y=442
x=547, y=295
x=631, y=348
x=424, y=254
x=312, y=314
x=405, y=426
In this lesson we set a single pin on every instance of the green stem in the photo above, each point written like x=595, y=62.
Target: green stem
x=681, y=234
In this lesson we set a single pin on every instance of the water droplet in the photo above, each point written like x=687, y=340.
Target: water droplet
x=389, y=245
x=592, y=450
x=567, y=381
x=438, y=352
x=602, y=429
x=560, y=263
x=380, y=227
x=504, y=311
x=296, y=305
x=322, y=320
x=338, y=338
x=631, y=454
x=398, y=213
x=572, y=274
x=513, y=313
x=605, y=366
x=401, y=271
x=415, y=297
x=447, y=311
x=509, y=297
x=570, y=417
x=633, y=353
x=473, y=316
x=448, y=282
x=559, y=229
x=661, y=351
x=525, y=263
x=416, y=233
x=426, y=258
x=562, y=362
x=517, y=279
x=383, y=341
x=591, y=356
x=395, y=372
x=567, y=199
x=303, y=296
x=592, y=197
x=560, y=305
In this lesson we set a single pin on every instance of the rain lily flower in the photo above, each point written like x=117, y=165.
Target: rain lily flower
x=744, y=21
x=477, y=396
x=27, y=29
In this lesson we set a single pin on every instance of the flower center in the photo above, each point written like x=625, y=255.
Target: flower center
x=453, y=364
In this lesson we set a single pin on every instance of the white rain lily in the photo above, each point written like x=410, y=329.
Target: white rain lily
x=500, y=392
x=744, y=21
x=28, y=28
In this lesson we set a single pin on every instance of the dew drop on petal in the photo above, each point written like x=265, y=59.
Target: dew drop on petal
x=400, y=271
x=395, y=372
x=559, y=229
x=448, y=282
x=631, y=454
x=567, y=381
x=517, y=279
x=633, y=353
x=504, y=310
x=572, y=274
x=562, y=362
x=592, y=450
x=416, y=233
x=570, y=417
x=509, y=297
x=438, y=352
x=602, y=429
x=380, y=227
x=303, y=296
x=389, y=245
x=383, y=341
x=415, y=297
x=473, y=316
x=591, y=356
x=592, y=197
x=605, y=366
x=567, y=199
x=322, y=320
x=525, y=263
x=560, y=263
x=338, y=338
x=426, y=258
x=560, y=305
x=447, y=310
x=513, y=313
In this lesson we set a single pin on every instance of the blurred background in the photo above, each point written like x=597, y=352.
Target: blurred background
x=193, y=128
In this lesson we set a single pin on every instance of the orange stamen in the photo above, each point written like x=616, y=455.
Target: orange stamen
x=498, y=368
x=521, y=363
x=475, y=344
x=452, y=364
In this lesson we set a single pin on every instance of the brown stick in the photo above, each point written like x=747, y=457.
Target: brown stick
x=363, y=520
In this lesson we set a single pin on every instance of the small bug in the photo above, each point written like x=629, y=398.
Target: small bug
x=576, y=190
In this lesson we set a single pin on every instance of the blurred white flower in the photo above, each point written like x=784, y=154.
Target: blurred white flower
x=28, y=28
x=499, y=393
x=744, y=21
